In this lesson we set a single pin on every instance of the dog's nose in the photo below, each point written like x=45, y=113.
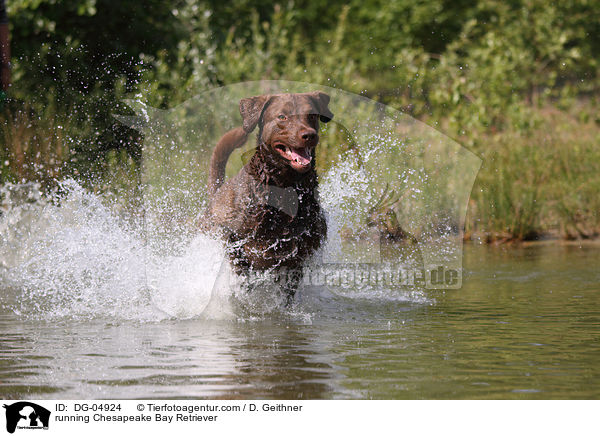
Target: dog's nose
x=308, y=135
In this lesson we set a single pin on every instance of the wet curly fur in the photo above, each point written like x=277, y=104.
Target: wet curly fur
x=269, y=213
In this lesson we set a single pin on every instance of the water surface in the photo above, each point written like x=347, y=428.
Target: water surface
x=525, y=325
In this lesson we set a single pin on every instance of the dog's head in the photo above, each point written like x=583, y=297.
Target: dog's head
x=289, y=125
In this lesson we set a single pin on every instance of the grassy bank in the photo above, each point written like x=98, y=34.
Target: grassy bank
x=516, y=83
x=541, y=184
x=535, y=185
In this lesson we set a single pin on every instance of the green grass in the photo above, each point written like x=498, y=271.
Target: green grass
x=542, y=184
x=538, y=184
x=34, y=148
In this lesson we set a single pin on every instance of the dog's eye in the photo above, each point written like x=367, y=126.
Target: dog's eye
x=282, y=117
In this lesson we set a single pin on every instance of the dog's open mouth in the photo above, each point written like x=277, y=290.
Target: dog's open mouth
x=299, y=157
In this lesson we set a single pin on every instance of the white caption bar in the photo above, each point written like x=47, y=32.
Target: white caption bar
x=116, y=417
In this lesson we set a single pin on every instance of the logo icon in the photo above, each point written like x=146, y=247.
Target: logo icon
x=26, y=415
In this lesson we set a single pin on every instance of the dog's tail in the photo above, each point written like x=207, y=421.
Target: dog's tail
x=231, y=140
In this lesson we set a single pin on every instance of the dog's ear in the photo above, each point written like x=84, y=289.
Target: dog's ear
x=322, y=101
x=251, y=109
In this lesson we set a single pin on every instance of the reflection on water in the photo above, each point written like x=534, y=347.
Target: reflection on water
x=524, y=325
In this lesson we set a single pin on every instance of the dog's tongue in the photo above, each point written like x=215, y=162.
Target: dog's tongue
x=300, y=155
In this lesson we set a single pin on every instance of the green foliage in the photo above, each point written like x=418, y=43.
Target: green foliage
x=82, y=57
x=484, y=72
x=541, y=183
x=471, y=65
x=34, y=149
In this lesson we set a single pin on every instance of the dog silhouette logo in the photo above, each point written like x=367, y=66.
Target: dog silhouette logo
x=26, y=415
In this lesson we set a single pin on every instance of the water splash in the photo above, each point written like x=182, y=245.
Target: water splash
x=74, y=254
x=71, y=255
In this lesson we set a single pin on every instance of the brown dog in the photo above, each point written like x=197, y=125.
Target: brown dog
x=269, y=213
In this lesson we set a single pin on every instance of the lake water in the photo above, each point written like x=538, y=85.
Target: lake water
x=525, y=325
